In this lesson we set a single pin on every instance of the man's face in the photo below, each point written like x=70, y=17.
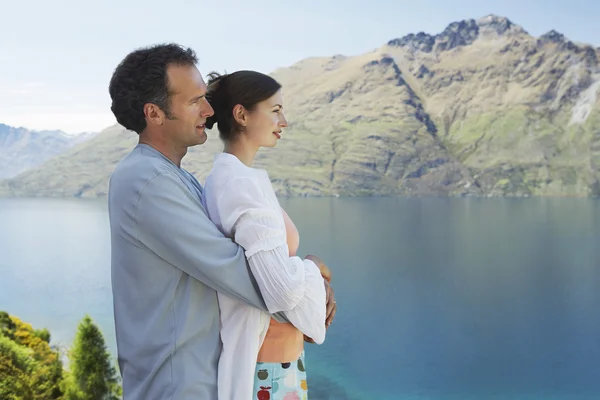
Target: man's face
x=188, y=106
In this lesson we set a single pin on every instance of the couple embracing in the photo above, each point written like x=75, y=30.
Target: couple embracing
x=210, y=299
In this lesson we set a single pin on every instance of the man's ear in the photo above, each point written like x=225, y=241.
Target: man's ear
x=240, y=114
x=154, y=115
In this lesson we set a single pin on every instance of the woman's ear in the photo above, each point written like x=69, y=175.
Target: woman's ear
x=240, y=114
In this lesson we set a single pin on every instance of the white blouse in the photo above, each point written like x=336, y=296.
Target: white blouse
x=242, y=203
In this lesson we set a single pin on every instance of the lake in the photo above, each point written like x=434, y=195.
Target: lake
x=438, y=298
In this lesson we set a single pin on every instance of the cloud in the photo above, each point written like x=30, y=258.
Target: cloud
x=33, y=85
x=28, y=88
x=68, y=122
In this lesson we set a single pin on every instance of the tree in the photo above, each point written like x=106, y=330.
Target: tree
x=91, y=376
x=48, y=372
x=16, y=366
x=29, y=367
x=7, y=326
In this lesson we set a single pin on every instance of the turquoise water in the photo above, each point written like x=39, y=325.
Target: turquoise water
x=439, y=299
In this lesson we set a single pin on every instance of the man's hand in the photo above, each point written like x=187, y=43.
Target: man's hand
x=325, y=271
x=330, y=298
x=308, y=340
x=326, y=274
x=331, y=309
x=331, y=304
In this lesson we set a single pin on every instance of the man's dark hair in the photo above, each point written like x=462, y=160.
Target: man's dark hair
x=141, y=78
x=247, y=88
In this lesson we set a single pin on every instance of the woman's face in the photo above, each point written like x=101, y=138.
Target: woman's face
x=264, y=124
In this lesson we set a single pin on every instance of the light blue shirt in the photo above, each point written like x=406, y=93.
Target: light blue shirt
x=168, y=262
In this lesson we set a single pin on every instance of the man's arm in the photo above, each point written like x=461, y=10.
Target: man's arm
x=170, y=222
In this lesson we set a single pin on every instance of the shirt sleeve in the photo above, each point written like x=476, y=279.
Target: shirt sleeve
x=288, y=284
x=307, y=310
x=171, y=222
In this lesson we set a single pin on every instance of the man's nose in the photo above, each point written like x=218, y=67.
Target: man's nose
x=207, y=110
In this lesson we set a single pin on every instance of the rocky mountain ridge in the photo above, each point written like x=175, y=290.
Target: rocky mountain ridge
x=482, y=108
x=22, y=149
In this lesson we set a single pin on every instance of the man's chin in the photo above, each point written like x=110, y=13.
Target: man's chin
x=200, y=139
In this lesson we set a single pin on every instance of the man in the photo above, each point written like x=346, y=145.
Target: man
x=168, y=259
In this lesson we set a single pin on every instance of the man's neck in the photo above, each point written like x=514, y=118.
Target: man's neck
x=169, y=150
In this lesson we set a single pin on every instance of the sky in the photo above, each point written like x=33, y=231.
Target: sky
x=56, y=57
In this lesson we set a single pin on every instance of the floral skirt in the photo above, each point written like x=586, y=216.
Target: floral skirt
x=280, y=381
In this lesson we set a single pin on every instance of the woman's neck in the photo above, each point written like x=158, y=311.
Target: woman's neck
x=243, y=150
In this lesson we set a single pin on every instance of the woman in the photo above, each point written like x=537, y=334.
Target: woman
x=261, y=358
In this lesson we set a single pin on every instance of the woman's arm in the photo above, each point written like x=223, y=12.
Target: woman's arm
x=287, y=283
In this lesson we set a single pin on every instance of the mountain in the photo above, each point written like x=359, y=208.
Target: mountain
x=482, y=108
x=22, y=149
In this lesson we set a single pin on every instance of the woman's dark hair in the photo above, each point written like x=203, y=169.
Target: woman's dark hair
x=247, y=88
